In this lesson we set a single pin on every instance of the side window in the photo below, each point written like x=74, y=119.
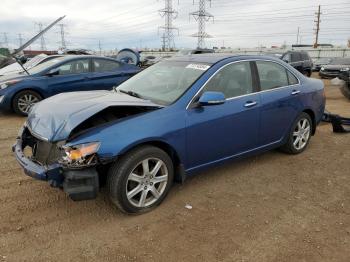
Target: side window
x=232, y=80
x=74, y=67
x=305, y=56
x=296, y=57
x=292, y=79
x=101, y=65
x=272, y=75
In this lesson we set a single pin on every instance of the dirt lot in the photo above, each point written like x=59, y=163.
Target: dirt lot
x=273, y=207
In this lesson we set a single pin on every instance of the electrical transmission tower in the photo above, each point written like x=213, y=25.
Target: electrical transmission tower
x=42, y=39
x=317, y=21
x=63, y=39
x=169, y=15
x=6, y=41
x=202, y=16
x=20, y=40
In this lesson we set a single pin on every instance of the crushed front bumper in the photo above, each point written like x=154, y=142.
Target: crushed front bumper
x=79, y=184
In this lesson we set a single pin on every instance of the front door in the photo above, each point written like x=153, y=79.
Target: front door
x=221, y=131
x=72, y=76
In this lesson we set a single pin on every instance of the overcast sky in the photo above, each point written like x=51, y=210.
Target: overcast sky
x=134, y=23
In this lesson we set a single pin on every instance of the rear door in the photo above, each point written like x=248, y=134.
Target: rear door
x=296, y=61
x=108, y=73
x=279, y=96
x=220, y=131
x=72, y=76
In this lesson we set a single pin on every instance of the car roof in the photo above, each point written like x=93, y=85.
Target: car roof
x=71, y=57
x=216, y=57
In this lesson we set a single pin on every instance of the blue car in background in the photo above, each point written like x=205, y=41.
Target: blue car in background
x=21, y=91
x=169, y=121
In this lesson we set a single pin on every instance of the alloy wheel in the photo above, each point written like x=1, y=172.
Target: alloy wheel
x=147, y=182
x=26, y=101
x=301, y=134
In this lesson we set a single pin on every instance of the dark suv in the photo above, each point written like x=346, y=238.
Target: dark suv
x=300, y=60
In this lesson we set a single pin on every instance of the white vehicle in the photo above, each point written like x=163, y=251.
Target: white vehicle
x=16, y=68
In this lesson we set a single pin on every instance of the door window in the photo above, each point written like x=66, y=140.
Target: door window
x=232, y=80
x=296, y=57
x=292, y=80
x=74, y=67
x=101, y=65
x=272, y=75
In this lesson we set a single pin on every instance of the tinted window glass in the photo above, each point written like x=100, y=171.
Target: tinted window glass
x=74, y=67
x=296, y=57
x=272, y=75
x=292, y=79
x=101, y=65
x=287, y=58
x=233, y=80
x=305, y=56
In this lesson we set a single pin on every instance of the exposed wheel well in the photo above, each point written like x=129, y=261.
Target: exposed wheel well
x=313, y=119
x=179, y=173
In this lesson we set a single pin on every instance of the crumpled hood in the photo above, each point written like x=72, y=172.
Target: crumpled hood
x=54, y=118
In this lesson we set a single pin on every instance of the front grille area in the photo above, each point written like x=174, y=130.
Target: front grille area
x=42, y=152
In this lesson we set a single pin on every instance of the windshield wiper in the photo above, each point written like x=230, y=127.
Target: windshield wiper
x=130, y=93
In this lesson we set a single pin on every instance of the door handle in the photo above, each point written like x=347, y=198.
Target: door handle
x=250, y=104
x=295, y=92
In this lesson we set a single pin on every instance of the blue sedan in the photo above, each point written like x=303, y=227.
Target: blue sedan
x=21, y=91
x=169, y=121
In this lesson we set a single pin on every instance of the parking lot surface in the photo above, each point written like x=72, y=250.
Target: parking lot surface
x=272, y=207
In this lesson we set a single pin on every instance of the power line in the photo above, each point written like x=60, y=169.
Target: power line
x=201, y=16
x=169, y=15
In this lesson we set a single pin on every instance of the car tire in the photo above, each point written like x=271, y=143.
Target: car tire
x=140, y=180
x=299, y=135
x=308, y=73
x=345, y=90
x=24, y=100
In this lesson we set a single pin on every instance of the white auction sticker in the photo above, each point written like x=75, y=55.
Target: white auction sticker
x=198, y=66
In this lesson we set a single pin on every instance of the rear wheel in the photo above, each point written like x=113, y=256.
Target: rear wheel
x=24, y=100
x=140, y=180
x=299, y=135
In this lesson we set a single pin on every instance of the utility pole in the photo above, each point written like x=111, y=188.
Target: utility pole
x=20, y=40
x=6, y=41
x=99, y=46
x=298, y=35
x=317, y=21
x=42, y=39
x=62, y=33
x=169, y=15
x=201, y=16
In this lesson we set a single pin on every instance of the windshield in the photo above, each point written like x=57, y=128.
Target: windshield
x=165, y=82
x=43, y=66
x=341, y=61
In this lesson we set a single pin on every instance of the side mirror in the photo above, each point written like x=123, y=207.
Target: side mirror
x=53, y=72
x=210, y=98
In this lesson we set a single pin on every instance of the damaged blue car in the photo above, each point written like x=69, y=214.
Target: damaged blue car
x=171, y=120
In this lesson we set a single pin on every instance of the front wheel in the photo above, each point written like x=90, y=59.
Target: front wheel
x=140, y=180
x=23, y=101
x=299, y=135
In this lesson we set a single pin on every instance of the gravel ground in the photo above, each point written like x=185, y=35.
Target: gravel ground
x=273, y=207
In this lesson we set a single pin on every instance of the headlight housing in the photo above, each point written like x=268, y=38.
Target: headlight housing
x=82, y=155
x=6, y=84
x=322, y=68
x=345, y=69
